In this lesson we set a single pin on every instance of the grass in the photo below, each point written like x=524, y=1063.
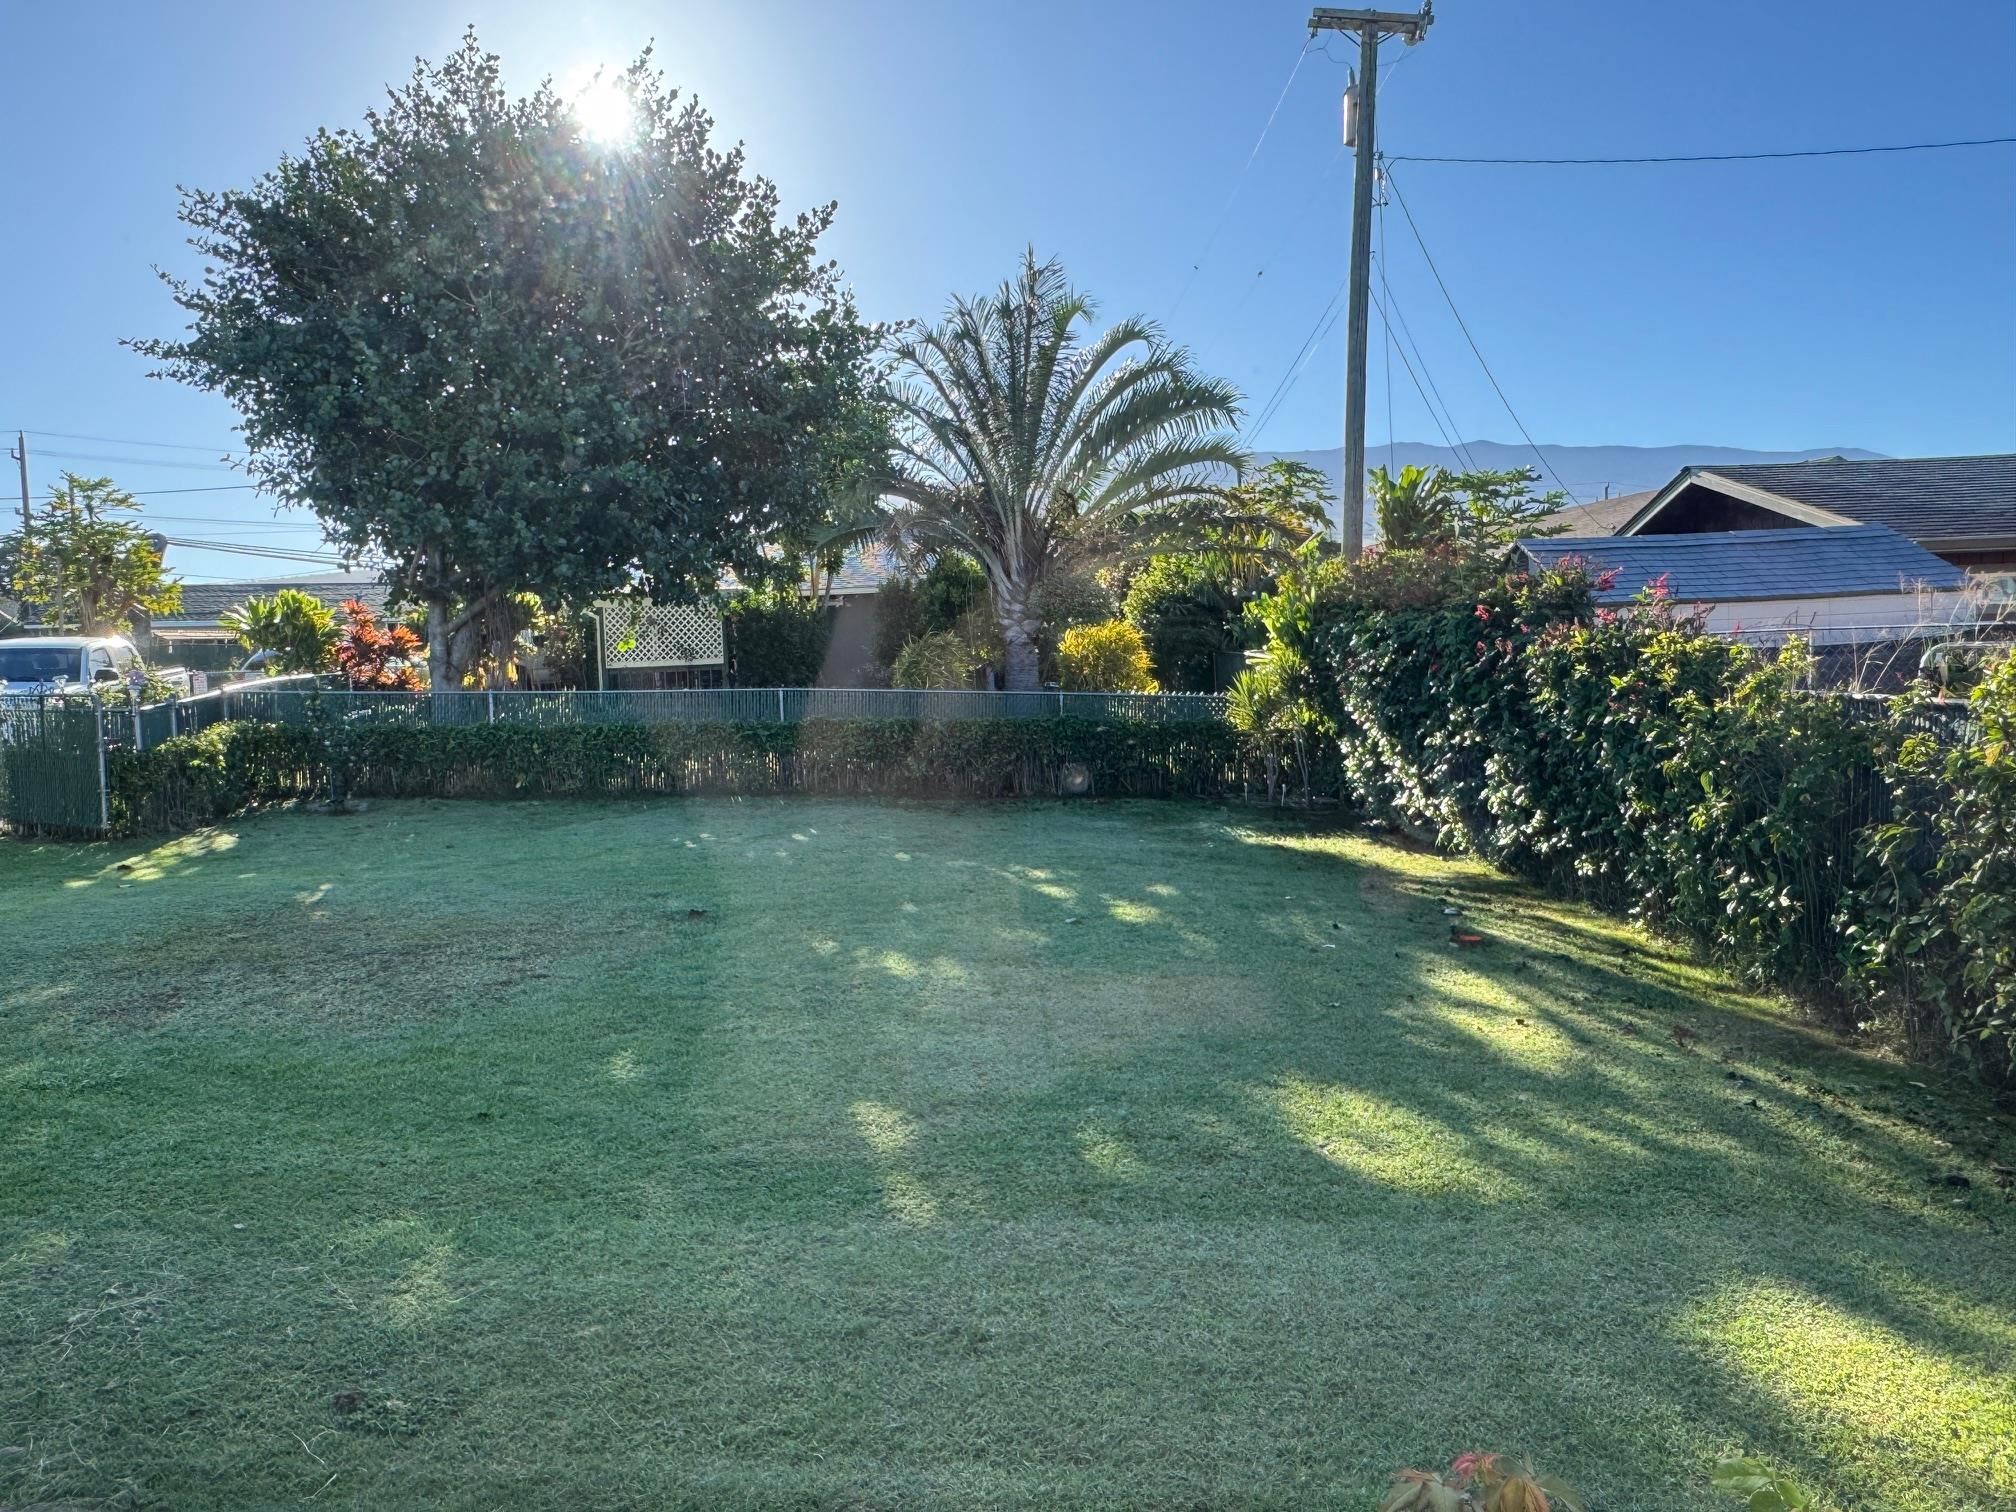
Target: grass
x=810, y=1153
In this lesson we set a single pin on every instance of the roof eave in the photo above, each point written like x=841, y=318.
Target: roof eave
x=1763, y=498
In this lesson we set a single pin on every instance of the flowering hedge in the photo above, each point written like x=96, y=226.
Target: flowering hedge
x=1686, y=780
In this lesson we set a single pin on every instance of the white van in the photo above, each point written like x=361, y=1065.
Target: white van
x=65, y=663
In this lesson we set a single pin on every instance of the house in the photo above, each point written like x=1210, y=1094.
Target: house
x=1839, y=584
x=1960, y=509
x=684, y=645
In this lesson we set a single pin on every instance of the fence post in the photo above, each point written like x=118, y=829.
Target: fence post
x=492, y=695
x=104, y=788
x=780, y=706
x=1060, y=703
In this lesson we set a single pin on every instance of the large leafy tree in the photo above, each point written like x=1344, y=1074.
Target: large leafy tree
x=1030, y=445
x=87, y=564
x=496, y=355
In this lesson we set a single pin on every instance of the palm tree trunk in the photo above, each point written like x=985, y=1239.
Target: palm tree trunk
x=1021, y=672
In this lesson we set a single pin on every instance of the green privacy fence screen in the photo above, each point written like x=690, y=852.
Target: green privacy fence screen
x=52, y=766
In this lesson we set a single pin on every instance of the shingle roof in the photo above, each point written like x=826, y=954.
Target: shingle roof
x=1925, y=498
x=203, y=603
x=1729, y=566
x=1599, y=516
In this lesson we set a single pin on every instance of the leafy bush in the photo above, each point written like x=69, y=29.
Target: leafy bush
x=1935, y=933
x=1679, y=777
x=202, y=778
x=948, y=594
x=298, y=628
x=1184, y=619
x=943, y=660
x=1104, y=658
x=777, y=639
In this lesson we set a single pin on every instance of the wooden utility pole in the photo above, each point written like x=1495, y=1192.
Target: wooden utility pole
x=1372, y=27
x=19, y=453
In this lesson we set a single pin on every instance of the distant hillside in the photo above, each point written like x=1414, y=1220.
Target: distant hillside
x=1587, y=472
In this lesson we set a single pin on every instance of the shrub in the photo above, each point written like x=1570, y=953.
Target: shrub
x=299, y=629
x=202, y=778
x=1104, y=658
x=1684, y=779
x=1184, y=621
x=943, y=660
x=777, y=639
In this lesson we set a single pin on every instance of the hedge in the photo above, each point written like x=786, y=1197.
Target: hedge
x=1693, y=783
x=195, y=779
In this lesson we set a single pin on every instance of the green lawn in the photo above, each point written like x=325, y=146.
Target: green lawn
x=823, y=1153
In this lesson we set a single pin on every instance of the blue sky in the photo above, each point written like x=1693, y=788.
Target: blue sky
x=1854, y=302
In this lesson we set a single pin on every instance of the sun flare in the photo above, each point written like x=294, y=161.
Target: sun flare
x=606, y=112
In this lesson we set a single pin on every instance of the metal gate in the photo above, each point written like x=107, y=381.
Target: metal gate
x=52, y=766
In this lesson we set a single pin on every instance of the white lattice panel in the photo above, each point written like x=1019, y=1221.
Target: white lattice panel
x=660, y=635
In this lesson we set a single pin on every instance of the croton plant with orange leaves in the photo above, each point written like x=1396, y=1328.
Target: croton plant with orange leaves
x=1479, y=1482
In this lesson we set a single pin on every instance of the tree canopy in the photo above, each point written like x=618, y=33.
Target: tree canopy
x=85, y=565
x=496, y=355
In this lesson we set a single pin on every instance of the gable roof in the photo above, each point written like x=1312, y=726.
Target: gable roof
x=1730, y=566
x=1947, y=500
x=204, y=603
x=1599, y=516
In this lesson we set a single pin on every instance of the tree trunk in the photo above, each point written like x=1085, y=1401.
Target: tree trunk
x=1020, y=671
x=437, y=645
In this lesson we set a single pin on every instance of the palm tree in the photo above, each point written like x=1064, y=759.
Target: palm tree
x=1028, y=448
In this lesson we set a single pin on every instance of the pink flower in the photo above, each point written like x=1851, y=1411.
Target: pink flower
x=1483, y=613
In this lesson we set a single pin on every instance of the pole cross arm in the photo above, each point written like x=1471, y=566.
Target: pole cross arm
x=1399, y=23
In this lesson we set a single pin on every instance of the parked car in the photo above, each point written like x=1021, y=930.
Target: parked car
x=73, y=664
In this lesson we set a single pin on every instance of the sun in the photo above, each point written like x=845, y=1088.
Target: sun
x=606, y=112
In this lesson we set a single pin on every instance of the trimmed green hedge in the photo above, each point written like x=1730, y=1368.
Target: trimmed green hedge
x=1693, y=783
x=196, y=779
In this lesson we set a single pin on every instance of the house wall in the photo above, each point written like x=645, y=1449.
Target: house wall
x=850, y=656
x=1830, y=621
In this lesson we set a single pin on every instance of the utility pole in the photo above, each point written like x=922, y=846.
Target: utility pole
x=1372, y=28
x=19, y=452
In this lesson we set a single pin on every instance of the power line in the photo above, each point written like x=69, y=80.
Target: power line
x=129, y=441
x=1453, y=445
x=70, y=456
x=1706, y=157
x=273, y=553
x=1408, y=338
x=1239, y=180
x=1419, y=241
x=1295, y=364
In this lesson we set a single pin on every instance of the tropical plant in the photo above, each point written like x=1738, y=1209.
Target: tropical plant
x=1104, y=658
x=1762, y=1488
x=1414, y=510
x=1028, y=448
x=297, y=628
x=500, y=356
x=939, y=660
x=1483, y=511
x=1478, y=1482
x=377, y=657
x=87, y=568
